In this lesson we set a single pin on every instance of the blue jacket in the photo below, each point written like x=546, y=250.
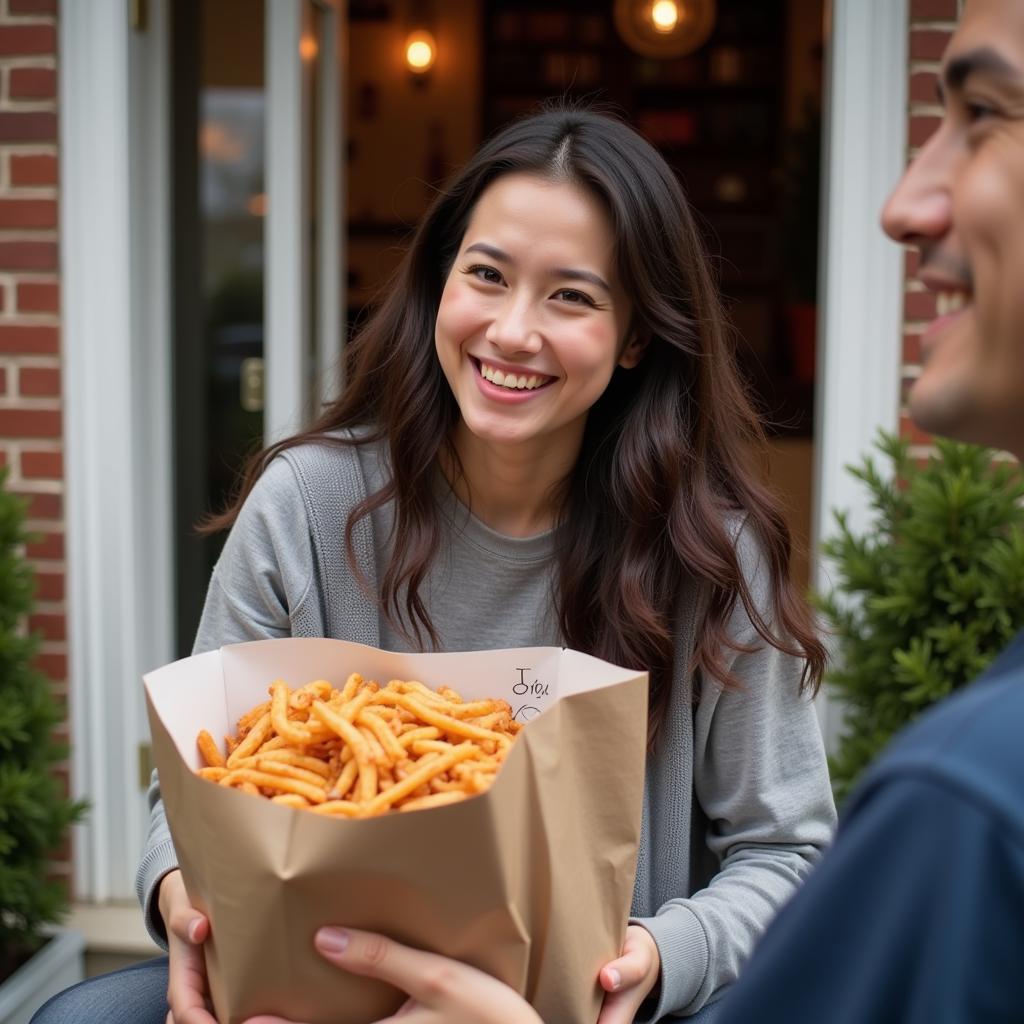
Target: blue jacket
x=916, y=915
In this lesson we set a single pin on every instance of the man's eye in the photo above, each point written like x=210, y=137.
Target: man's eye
x=978, y=111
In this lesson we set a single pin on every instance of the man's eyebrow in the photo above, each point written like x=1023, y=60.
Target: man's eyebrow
x=983, y=60
x=571, y=273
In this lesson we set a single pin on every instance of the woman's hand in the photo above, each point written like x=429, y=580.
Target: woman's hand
x=629, y=979
x=441, y=991
x=187, y=930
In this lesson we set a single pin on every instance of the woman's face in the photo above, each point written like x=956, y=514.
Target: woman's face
x=532, y=321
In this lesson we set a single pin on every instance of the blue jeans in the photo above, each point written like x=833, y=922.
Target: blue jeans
x=138, y=995
x=133, y=995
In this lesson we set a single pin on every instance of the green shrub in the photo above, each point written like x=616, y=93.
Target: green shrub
x=927, y=596
x=34, y=815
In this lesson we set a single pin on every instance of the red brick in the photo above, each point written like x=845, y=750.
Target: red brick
x=42, y=465
x=52, y=627
x=33, y=169
x=934, y=9
x=28, y=213
x=28, y=255
x=44, y=506
x=27, y=125
x=32, y=6
x=49, y=586
x=27, y=40
x=33, y=83
x=3, y=380
x=53, y=666
x=921, y=129
x=924, y=87
x=912, y=432
x=29, y=339
x=911, y=348
x=928, y=44
x=39, y=382
x=30, y=423
x=49, y=545
x=38, y=297
x=919, y=306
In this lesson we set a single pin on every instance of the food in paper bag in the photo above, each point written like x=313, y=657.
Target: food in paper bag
x=364, y=749
x=530, y=880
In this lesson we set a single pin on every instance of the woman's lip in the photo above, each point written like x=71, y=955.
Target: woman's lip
x=499, y=393
x=507, y=368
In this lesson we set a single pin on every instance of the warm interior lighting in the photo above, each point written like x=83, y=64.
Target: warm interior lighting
x=664, y=15
x=307, y=47
x=420, y=51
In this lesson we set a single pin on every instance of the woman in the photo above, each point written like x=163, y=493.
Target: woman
x=543, y=440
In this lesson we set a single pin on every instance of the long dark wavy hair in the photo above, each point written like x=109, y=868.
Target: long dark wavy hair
x=670, y=458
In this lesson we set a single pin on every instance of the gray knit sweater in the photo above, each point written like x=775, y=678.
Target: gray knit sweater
x=712, y=871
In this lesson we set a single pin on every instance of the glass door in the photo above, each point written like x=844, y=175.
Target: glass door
x=255, y=183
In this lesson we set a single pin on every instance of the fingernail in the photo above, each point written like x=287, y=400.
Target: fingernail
x=193, y=929
x=616, y=978
x=332, y=940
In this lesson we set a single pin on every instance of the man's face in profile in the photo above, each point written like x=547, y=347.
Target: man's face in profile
x=961, y=202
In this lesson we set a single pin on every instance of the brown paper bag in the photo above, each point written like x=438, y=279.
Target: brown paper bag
x=530, y=881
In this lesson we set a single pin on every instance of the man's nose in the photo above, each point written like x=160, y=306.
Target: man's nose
x=920, y=207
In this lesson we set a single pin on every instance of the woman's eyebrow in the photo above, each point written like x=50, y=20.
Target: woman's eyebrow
x=570, y=273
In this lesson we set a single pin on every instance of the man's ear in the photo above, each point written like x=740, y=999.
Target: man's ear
x=633, y=352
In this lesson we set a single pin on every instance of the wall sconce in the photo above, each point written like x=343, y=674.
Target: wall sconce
x=420, y=51
x=664, y=28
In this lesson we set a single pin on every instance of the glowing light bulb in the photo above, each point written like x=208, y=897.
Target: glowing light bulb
x=664, y=15
x=420, y=51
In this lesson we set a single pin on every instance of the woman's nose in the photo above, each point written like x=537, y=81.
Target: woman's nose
x=514, y=328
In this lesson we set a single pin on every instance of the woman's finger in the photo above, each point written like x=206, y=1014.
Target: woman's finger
x=627, y=970
x=621, y=1007
x=442, y=990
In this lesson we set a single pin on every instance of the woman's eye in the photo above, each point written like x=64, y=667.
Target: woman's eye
x=574, y=297
x=487, y=274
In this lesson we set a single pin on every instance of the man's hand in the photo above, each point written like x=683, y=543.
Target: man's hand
x=187, y=930
x=629, y=979
x=441, y=991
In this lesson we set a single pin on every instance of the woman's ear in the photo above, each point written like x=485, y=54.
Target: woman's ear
x=633, y=352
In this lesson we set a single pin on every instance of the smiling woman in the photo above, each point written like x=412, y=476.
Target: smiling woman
x=544, y=440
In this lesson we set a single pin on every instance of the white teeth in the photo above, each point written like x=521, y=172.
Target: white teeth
x=950, y=302
x=519, y=383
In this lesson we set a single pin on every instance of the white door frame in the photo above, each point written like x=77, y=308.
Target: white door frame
x=117, y=346
x=861, y=277
x=115, y=289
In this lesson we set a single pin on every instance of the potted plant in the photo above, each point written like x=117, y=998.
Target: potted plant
x=927, y=595
x=35, y=960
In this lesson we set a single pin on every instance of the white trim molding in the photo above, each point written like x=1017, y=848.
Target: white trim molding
x=286, y=339
x=330, y=179
x=860, y=318
x=116, y=430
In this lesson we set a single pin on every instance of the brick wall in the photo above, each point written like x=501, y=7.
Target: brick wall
x=30, y=364
x=931, y=24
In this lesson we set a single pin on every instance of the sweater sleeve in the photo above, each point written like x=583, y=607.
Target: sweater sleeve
x=261, y=583
x=761, y=781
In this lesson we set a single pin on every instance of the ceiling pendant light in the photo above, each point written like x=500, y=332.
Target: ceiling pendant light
x=664, y=28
